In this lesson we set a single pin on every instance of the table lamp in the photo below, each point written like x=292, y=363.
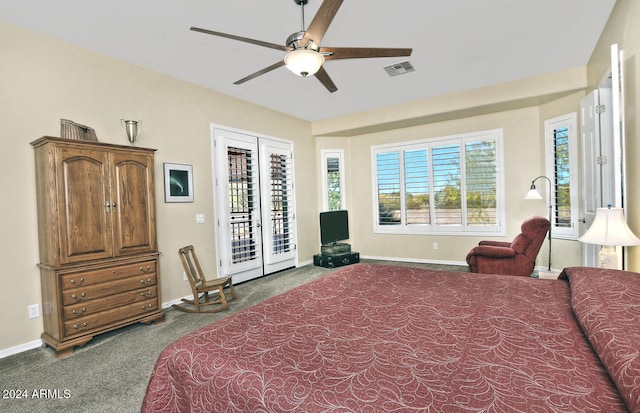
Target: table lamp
x=609, y=229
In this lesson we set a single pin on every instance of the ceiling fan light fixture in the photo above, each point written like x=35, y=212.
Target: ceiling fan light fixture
x=304, y=62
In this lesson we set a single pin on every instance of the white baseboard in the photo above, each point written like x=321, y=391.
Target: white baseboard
x=415, y=260
x=168, y=304
x=19, y=349
x=303, y=263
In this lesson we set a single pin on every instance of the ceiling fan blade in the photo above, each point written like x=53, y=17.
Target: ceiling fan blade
x=243, y=39
x=321, y=21
x=259, y=72
x=332, y=53
x=324, y=78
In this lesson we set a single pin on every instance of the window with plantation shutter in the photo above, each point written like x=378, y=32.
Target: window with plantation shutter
x=242, y=175
x=443, y=185
x=388, y=187
x=447, y=185
x=281, y=211
x=416, y=187
x=278, y=219
x=333, y=183
x=561, y=153
x=562, y=207
x=482, y=185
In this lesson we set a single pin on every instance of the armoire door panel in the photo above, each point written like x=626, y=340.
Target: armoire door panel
x=83, y=191
x=132, y=203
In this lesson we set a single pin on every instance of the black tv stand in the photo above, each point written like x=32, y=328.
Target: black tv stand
x=335, y=255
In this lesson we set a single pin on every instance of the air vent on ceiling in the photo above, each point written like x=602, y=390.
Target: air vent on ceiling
x=399, y=68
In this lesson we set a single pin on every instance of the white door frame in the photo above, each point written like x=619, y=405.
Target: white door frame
x=259, y=146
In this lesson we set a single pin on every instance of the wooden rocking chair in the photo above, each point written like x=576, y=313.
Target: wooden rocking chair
x=200, y=285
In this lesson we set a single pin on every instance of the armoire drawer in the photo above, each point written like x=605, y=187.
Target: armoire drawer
x=104, y=318
x=91, y=292
x=87, y=308
x=85, y=278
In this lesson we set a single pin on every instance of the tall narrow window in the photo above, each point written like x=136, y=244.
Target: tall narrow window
x=416, y=187
x=447, y=185
x=562, y=167
x=333, y=180
x=482, y=186
x=442, y=185
x=388, y=187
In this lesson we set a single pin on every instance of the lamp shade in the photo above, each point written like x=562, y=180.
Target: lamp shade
x=304, y=62
x=533, y=193
x=610, y=228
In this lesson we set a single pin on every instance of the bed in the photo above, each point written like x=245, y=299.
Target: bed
x=376, y=338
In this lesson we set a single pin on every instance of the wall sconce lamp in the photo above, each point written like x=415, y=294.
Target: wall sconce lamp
x=609, y=229
x=534, y=194
x=132, y=129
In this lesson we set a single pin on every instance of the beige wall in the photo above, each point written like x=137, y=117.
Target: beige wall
x=623, y=29
x=524, y=160
x=43, y=80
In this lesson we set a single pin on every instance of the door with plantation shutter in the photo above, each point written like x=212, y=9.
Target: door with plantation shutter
x=255, y=217
x=278, y=218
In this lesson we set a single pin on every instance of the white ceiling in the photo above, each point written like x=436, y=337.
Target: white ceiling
x=457, y=44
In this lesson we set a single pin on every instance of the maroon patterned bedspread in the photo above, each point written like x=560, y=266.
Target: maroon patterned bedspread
x=372, y=338
x=607, y=305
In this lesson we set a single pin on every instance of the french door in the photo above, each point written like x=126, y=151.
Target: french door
x=602, y=141
x=254, y=204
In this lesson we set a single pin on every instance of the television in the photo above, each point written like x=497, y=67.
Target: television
x=334, y=227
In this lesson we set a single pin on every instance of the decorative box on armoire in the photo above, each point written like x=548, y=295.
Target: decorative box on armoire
x=97, y=237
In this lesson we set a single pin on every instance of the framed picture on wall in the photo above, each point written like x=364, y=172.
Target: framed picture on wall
x=178, y=182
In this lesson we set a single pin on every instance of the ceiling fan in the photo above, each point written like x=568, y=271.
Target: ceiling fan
x=306, y=56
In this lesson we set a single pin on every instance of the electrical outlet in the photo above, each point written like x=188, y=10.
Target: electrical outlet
x=435, y=245
x=34, y=311
x=199, y=218
x=184, y=276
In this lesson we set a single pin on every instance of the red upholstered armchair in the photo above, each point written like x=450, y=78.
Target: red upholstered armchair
x=510, y=258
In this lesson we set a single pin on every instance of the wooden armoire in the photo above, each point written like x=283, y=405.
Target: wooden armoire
x=97, y=238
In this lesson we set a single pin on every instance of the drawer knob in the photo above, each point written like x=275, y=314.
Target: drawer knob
x=147, y=307
x=147, y=294
x=82, y=310
x=81, y=326
x=142, y=269
x=75, y=297
x=78, y=283
x=146, y=282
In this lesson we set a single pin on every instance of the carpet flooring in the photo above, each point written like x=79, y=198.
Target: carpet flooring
x=110, y=373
